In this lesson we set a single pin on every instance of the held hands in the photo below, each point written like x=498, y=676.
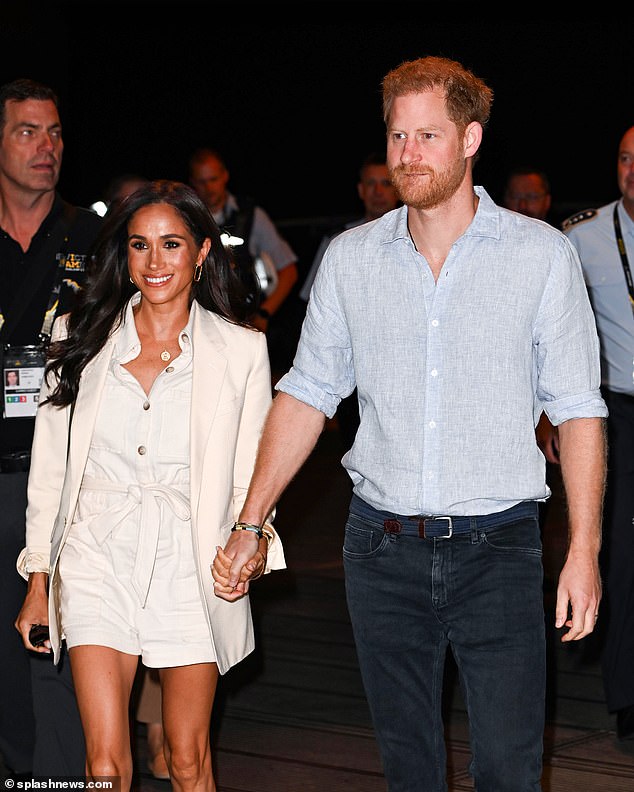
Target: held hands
x=241, y=561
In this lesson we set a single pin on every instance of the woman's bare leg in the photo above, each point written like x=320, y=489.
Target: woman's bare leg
x=188, y=697
x=103, y=681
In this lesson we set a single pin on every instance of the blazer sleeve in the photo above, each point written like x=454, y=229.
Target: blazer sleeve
x=257, y=400
x=46, y=474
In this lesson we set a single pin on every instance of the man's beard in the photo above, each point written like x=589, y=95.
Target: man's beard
x=430, y=190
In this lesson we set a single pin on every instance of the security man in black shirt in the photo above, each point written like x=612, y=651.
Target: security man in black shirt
x=44, y=247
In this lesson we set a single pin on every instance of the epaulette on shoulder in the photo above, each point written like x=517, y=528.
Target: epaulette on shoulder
x=579, y=217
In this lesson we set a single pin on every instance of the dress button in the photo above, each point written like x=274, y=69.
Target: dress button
x=169, y=369
x=146, y=405
x=141, y=450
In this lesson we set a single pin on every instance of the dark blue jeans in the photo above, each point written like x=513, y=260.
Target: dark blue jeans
x=479, y=593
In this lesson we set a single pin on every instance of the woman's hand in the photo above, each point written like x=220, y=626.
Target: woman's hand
x=241, y=561
x=34, y=611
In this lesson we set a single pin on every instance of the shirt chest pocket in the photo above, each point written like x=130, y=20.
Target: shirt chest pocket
x=174, y=425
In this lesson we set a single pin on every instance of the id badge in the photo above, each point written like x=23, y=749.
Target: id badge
x=22, y=374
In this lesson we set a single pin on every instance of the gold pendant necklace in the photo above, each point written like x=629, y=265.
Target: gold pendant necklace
x=165, y=355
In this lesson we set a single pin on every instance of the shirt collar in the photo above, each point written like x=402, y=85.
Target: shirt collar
x=486, y=221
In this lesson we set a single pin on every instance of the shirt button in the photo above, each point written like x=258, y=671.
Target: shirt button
x=146, y=405
x=434, y=322
x=432, y=424
x=434, y=372
x=169, y=369
x=141, y=450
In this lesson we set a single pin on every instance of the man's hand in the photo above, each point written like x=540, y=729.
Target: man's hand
x=578, y=596
x=583, y=451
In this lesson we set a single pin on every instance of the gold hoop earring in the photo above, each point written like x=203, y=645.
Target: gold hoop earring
x=198, y=271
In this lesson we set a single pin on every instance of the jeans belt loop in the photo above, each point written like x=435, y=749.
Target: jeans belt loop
x=432, y=524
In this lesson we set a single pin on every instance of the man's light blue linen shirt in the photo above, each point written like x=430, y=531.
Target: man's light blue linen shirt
x=451, y=375
x=595, y=241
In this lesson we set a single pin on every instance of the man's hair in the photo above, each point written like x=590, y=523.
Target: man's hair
x=527, y=170
x=374, y=158
x=468, y=98
x=203, y=154
x=19, y=91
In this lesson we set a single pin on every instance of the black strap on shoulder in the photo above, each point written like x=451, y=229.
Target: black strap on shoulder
x=240, y=221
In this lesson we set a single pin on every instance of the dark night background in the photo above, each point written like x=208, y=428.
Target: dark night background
x=291, y=93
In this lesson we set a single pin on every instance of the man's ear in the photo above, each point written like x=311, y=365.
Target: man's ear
x=472, y=138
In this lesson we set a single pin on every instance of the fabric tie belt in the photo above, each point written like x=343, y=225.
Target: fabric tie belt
x=151, y=499
x=440, y=527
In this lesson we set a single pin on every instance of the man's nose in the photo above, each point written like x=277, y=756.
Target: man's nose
x=47, y=142
x=409, y=152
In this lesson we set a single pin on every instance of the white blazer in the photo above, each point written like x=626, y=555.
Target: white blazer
x=231, y=395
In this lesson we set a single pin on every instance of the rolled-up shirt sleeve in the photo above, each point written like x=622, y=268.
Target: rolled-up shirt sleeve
x=567, y=344
x=322, y=373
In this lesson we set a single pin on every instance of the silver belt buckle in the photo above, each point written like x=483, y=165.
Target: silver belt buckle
x=435, y=521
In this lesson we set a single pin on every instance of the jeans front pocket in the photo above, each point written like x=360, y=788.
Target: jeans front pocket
x=363, y=538
x=522, y=536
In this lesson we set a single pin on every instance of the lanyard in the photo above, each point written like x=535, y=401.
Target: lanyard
x=623, y=254
x=56, y=249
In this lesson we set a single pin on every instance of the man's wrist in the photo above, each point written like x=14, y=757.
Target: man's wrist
x=251, y=527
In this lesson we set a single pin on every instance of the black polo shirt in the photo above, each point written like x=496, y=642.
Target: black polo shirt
x=62, y=241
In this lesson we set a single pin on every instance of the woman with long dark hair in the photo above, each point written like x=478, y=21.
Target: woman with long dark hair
x=151, y=410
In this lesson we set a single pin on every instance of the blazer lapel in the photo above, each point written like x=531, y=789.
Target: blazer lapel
x=209, y=369
x=85, y=415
